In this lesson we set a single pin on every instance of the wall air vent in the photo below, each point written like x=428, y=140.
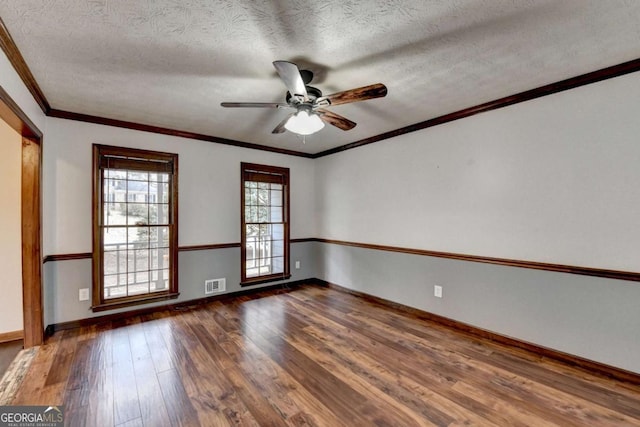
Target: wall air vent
x=214, y=286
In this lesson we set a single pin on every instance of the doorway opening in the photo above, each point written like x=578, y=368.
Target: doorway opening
x=31, y=217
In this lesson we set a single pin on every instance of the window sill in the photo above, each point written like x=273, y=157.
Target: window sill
x=265, y=279
x=130, y=301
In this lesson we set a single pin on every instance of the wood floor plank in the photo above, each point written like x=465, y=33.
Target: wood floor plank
x=78, y=385
x=489, y=377
x=347, y=402
x=520, y=387
x=432, y=370
x=565, y=415
x=62, y=361
x=125, y=400
x=344, y=368
x=290, y=398
x=212, y=394
x=137, y=339
x=133, y=423
x=250, y=392
x=309, y=356
x=153, y=411
x=8, y=352
x=160, y=354
x=216, y=399
x=33, y=390
x=180, y=410
x=101, y=400
x=431, y=377
x=483, y=351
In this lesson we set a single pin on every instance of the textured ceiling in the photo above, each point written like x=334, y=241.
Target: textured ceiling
x=170, y=63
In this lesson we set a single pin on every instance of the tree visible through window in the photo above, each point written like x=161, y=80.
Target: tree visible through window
x=265, y=225
x=135, y=226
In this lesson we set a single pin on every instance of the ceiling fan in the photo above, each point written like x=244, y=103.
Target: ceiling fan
x=309, y=104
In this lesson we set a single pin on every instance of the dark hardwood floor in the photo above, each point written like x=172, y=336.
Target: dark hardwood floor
x=304, y=357
x=8, y=352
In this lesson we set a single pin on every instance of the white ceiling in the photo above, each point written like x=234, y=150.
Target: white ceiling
x=170, y=63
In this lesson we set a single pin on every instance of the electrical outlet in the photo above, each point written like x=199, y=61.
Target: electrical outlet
x=297, y=265
x=83, y=294
x=437, y=291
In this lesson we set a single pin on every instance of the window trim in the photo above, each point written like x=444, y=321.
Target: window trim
x=99, y=303
x=245, y=169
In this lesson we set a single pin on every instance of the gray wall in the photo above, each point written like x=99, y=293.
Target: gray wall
x=594, y=318
x=63, y=279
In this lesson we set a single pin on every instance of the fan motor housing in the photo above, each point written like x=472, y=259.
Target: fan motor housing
x=313, y=93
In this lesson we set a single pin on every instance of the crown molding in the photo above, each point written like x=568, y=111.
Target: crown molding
x=15, y=58
x=61, y=114
x=571, y=83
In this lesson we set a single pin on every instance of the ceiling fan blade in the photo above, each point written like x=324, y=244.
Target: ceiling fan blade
x=253, y=105
x=377, y=90
x=280, y=128
x=335, y=119
x=290, y=75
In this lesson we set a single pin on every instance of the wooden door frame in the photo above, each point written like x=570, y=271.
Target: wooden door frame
x=31, y=217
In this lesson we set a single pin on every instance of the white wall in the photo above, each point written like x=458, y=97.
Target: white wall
x=209, y=185
x=552, y=180
x=10, y=220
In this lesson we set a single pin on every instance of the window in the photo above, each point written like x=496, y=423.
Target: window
x=265, y=223
x=135, y=227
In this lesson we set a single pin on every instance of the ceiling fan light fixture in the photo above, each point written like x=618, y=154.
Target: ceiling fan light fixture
x=304, y=123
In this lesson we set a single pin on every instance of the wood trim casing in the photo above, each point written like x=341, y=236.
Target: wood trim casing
x=249, y=172
x=211, y=246
x=208, y=247
x=98, y=301
x=89, y=255
x=304, y=240
x=561, y=268
x=188, y=248
x=11, y=113
x=67, y=257
x=11, y=336
x=10, y=49
x=576, y=361
x=134, y=300
x=32, y=242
